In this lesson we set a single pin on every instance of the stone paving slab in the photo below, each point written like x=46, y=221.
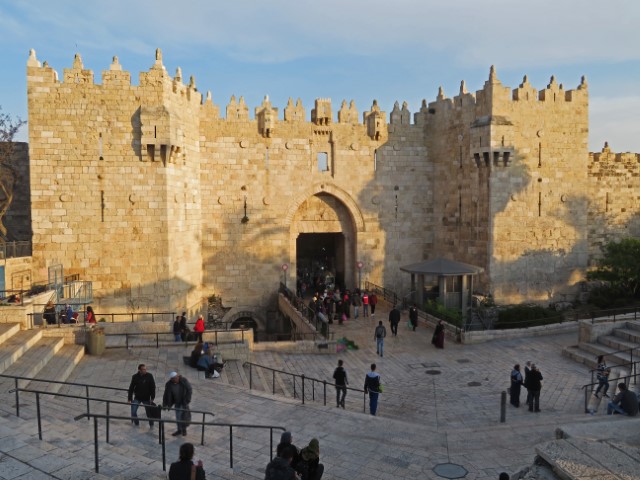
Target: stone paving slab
x=425, y=420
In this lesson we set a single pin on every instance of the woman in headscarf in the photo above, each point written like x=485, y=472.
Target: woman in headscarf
x=309, y=466
x=438, y=335
x=50, y=313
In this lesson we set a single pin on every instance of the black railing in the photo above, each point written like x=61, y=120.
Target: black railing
x=588, y=388
x=15, y=249
x=154, y=337
x=319, y=322
x=86, y=386
x=632, y=364
x=302, y=392
x=387, y=294
x=12, y=297
x=161, y=424
x=96, y=399
x=61, y=316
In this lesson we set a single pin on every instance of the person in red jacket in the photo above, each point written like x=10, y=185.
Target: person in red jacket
x=373, y=301
x=198, y=329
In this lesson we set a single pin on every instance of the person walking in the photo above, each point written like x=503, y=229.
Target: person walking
x=177, y=394
x=142, y=390
x=413, y=316
x=177, y=332
x=533, y=384
x=378, y=335
x=516, y=383
x=372, y=388
x=184, y=329
x=184, y=468
x=527, y=371
x=438, y=335
x=394, y=320
x=198, y=328
x=340, y=378
x=356, y=299
x=373, y=301
x=365, y=304
x=603, y=376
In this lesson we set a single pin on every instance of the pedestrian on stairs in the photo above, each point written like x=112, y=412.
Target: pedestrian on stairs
x=142, y=390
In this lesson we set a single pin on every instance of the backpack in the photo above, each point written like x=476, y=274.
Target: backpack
x=379, y=331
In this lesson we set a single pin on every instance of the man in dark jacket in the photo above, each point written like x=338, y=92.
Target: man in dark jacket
x=394, y=320
x=177, y=394
x=280, y=467
x=142, y=390
x=340, y=377
x=533, y=384
x=624, y=402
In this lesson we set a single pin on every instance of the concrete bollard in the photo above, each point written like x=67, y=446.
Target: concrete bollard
x=503, y=407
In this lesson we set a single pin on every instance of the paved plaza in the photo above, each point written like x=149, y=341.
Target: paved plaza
x=439, y=407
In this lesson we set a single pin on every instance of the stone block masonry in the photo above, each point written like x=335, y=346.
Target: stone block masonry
x=149, y=193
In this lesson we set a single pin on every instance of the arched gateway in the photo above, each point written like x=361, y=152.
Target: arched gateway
x=323, y=236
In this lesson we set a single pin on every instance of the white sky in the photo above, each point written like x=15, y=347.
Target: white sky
x=349, y=49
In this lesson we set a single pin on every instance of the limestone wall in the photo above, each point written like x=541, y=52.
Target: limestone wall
x=147, y=191
x=614, y=183
x=113, y=199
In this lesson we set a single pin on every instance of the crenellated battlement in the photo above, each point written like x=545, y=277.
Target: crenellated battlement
x=608, y=161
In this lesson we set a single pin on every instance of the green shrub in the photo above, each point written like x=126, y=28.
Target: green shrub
x=523, y=316
x=449, y=315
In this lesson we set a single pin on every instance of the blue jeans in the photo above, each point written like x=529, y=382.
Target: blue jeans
x=373, y=402
x=183, y=417
x=178, y=337
x=603, y=382
x=134, y=409
x=356, y=310
x=614, y=407
x=380, y=346
x=365, y=310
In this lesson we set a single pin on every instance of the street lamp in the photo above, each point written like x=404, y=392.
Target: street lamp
x=360, y=265
x=285, y=267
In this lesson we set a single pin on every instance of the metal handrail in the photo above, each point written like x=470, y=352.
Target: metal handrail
x=95, y=399
x=132, y=315
x=303, y=380
x=586, y=388
x=186, y=342
x=299, y=304
x=17, y=378
x=630, y=350
x=162, y=440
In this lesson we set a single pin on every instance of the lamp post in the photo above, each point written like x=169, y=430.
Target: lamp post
x=360, y=265
x=285, y=267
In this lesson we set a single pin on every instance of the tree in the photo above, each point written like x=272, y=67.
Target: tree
x=8, y=173
x=620, y=266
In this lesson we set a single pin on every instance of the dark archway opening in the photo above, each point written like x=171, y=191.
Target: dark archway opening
x=246, y=323
x=320, y=260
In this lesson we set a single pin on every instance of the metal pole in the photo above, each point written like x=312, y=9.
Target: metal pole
x=95, y=443
x=107, y=420
x=164, y=447
x=503, y=407
x=86, y=388
x=250, y=376
x=17, y=398
x=302, y=378
x=273, y=381
x=230, y=446
x=38, y=413
x=325, y=393
x=203, y=420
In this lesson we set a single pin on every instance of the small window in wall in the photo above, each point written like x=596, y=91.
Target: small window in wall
x=151, y=152
x=323, y=162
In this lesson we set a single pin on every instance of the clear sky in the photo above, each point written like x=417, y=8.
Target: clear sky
x=393, y=50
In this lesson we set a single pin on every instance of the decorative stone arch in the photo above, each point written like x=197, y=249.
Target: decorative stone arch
x=344, y=219
x=340, y=194
x=255, y=313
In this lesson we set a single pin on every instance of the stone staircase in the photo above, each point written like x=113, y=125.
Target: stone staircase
x=619, y=336
x=36, y=354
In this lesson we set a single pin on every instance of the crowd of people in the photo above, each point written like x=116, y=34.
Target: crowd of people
x=334, y=305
